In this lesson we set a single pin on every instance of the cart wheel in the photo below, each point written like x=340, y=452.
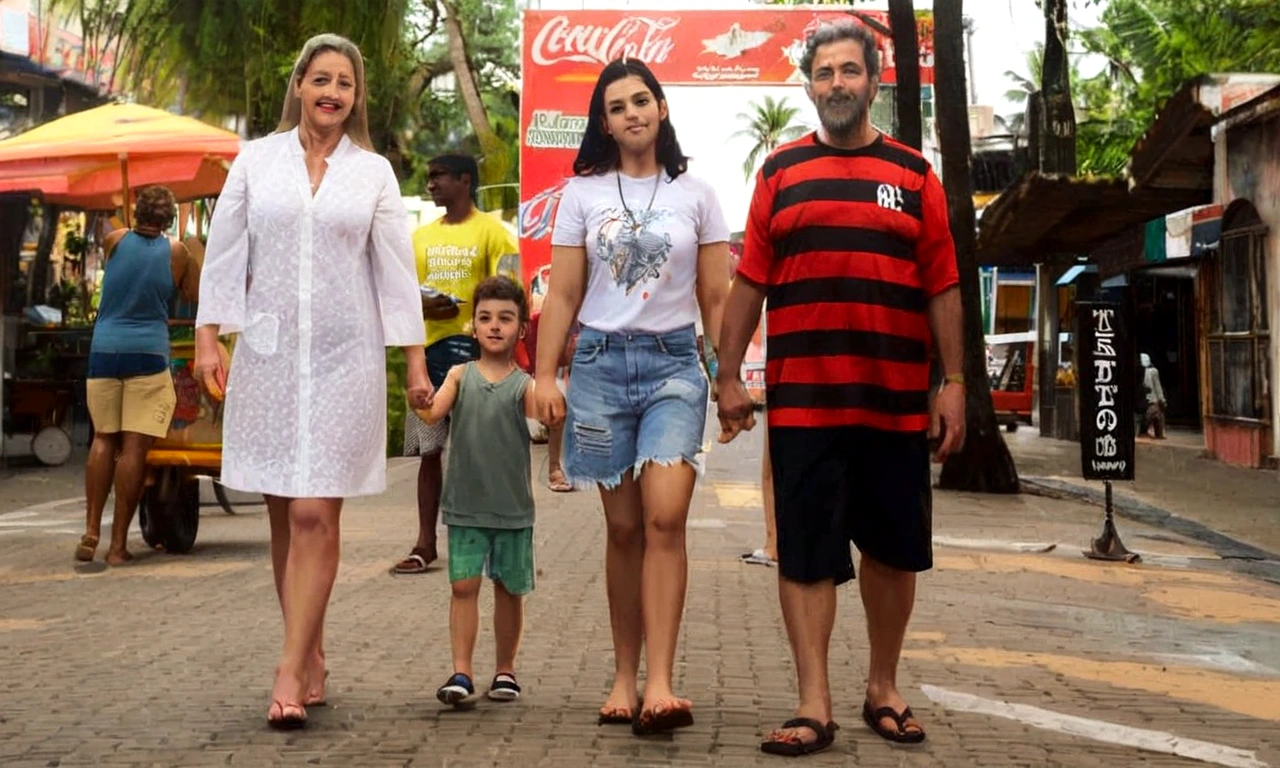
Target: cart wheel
x=151, y=517
x=220, y=494
x=183, y=514
x=52, y=446
x=1011, y=427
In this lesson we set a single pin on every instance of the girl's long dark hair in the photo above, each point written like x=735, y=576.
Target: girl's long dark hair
x=598, y=152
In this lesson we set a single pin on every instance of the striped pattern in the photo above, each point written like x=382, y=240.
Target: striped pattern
x=851, y=245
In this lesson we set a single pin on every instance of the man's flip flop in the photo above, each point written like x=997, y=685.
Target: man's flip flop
x=660, y=722
x=417, y=562
x=826, y=735
x=898, y=735
x=757, y=558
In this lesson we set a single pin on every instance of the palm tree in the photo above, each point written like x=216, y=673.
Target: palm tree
x=770, y=125
x=1029, y=83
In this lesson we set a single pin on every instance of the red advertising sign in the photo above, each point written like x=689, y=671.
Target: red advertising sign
x=564, y=51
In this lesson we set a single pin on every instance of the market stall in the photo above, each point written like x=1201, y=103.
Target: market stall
x=89, y=162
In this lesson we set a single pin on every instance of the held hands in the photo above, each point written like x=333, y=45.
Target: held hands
x=548, y=402
x=211, y=365
x=946, y=419
x=418, y=389
x=734, y=408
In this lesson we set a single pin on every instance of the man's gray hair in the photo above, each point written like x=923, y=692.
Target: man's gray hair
x=835, y=33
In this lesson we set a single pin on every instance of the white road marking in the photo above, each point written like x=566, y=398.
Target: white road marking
x=1098, y=730
x=23, y=515
x=44, y=506
x=996, y=544
x=1219, y=659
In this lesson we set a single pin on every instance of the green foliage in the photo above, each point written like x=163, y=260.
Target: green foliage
x=770, y=124
x=397, y=406
x=1153, y=47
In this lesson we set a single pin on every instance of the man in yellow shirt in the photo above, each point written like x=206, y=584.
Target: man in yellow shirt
x=454, y=254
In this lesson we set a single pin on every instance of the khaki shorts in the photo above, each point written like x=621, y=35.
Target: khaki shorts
x=142, y=404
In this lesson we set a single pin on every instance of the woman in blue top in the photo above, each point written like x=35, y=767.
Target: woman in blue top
x=129, y=390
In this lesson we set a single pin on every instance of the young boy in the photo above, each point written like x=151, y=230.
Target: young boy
x=488, y=498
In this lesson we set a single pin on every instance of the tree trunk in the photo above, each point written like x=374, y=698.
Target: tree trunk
x=985, y=464
x=1053, y=130
x=496, y=161
x=1058, y=130
x=906, y=56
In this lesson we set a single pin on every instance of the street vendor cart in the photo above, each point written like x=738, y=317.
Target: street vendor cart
x=169, y=512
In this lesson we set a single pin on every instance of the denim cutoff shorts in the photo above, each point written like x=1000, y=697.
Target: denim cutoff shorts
x=633, y=398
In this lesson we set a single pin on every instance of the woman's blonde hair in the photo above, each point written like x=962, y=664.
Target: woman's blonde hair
x=357, y=125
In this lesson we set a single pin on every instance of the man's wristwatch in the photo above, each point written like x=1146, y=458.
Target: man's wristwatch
x=953, y=378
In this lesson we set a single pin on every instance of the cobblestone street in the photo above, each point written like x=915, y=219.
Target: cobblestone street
x=1016, y=655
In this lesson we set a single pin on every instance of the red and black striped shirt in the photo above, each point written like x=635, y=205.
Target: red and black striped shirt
x=851, y=245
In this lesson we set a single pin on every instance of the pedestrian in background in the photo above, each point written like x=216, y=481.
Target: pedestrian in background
x=309, y=260
x=639, y=248
x=128, y=385
x=453, y=254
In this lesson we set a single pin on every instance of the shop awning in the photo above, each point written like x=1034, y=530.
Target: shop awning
x=1050, y=218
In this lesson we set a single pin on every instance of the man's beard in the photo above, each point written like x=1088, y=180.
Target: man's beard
x=842, y=116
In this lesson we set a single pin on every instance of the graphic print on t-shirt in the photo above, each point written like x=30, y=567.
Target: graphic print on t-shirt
x=635, y=254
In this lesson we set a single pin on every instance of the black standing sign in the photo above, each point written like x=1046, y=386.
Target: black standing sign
x=1106, y=389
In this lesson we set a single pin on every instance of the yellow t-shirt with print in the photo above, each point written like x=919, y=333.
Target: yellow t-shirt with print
x=454, y=258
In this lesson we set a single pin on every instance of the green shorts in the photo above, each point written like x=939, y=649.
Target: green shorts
x=502, y=554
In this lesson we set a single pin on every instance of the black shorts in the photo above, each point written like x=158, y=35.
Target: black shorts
x=833, y=485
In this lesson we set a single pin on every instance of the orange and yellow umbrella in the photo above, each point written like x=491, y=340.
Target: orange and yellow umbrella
x=91, y=159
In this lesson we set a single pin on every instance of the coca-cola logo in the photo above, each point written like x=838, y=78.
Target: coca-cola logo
x=636, y=37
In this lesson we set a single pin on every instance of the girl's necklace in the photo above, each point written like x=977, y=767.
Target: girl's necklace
x=635, y=225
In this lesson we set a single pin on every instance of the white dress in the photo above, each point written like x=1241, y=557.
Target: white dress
x=316, y=287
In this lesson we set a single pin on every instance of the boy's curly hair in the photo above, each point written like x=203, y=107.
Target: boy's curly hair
x=502, y=288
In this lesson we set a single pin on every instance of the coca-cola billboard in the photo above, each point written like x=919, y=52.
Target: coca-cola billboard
x=564, y=51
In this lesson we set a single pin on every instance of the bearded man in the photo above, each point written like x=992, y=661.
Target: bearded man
x=848, y=238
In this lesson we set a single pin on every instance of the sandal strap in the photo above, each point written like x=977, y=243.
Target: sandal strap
x=899, y=718
x=819, y=729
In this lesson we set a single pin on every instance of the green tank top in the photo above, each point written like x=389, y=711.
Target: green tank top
x=487, y=482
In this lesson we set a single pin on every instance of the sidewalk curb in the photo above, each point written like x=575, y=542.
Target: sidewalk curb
x=1223, y=545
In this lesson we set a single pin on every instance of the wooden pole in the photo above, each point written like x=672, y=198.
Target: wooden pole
x=124, y=180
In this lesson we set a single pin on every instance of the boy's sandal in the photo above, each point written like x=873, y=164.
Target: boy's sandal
x=504, y=688
x=456, y=690
x=900, y=734
x=87, y=547
x=826, y=734
x=650, y=723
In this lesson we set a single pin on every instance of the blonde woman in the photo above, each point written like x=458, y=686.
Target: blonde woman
x=309, y=260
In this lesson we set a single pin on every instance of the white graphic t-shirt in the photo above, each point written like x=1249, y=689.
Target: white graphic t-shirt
x=642, y=259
